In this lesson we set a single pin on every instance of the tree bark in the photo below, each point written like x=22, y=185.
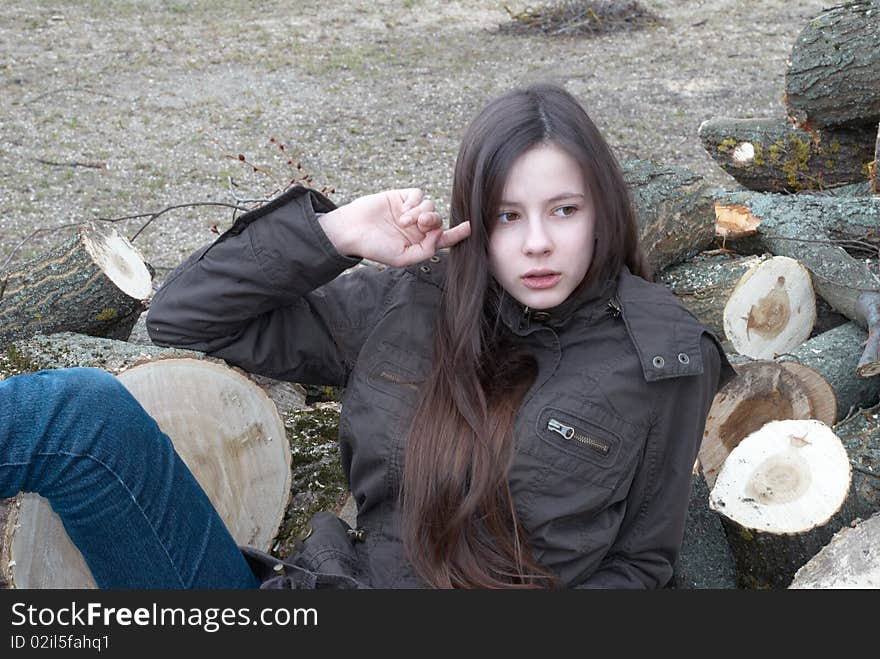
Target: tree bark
x=850, y=560
x=674, y=211
x=704, y=284
x=782, y=494
x=834, y=68
x=860, y=434
x=225, y=429
x=95, y=283
x=769, y=155
x=705, y=560
x=875, y=165
x=809, y=228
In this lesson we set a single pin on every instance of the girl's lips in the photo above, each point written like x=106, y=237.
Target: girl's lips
x=544, y=281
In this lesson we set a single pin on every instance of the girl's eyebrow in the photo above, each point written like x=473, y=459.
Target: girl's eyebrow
x=559, y=197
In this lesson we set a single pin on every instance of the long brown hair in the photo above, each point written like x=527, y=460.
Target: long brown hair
x=460, y=524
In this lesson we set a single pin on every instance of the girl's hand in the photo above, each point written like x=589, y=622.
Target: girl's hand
x=395, y=227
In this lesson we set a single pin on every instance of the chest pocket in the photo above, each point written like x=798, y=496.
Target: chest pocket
x=588, y=445
x=394, y=376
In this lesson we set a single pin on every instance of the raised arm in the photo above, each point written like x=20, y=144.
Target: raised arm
x=267, y=295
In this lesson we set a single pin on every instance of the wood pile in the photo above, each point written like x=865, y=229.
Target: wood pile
x=790, y=458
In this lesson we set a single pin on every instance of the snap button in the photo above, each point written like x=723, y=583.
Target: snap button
x=357, y=535
x=540, y=316
x=425, y=268
x=659, y=362
x=683, y=358
x=278, y=567
x=434, y=259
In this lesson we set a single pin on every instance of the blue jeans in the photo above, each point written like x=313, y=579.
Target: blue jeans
x=77, y=437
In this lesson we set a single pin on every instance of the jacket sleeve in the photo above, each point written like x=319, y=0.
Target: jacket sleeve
x=267, y=296
x=649, y=540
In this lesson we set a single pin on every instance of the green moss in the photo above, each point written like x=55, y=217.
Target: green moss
x=746, y=535
x=726, y=144
x=797, y=157
x=759, y=156
x=776, y=150
x=106, y=314
x=318, y=481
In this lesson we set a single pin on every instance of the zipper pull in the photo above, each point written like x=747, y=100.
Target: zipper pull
x=561, y=428
x=525, y=319
x=614, y=306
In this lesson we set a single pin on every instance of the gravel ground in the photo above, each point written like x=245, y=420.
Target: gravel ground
x=366, y=95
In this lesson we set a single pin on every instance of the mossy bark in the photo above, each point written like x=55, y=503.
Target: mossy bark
x=318, y=480
x=674, y=211
x=769, y=155
x=834, y=68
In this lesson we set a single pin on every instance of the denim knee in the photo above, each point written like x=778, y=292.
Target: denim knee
x=91, y=405
x=96, y=389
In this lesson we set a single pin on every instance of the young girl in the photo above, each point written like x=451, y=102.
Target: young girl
x=522, y=409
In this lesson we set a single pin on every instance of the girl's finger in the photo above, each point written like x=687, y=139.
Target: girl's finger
x=429, y=221
x=454, y=235
x=412, y=197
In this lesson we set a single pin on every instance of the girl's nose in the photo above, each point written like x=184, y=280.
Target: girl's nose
x=537, y=240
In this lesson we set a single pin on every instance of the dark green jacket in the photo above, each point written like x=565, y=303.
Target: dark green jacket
x=605, y=439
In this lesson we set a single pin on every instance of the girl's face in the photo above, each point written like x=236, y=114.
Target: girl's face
x=541, y=243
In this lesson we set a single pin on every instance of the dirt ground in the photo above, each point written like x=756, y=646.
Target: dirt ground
x=111, y=108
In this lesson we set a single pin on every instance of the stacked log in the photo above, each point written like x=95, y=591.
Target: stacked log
x=782, y=495
x=771, y=155
x=674, y=210
x=826, y=152
x=850, y=560
x=834, y=68
x=226, y=430
x=96, y=283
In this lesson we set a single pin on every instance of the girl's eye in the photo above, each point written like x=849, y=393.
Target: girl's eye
x=504, y=218
x=567, y=211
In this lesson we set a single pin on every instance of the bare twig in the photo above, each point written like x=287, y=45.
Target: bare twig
x=61, y=90
x=73, y=163
x=33, y=233
x=242, y=200
x=151, y=216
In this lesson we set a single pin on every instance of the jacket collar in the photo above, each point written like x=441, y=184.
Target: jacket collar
x=588, y=301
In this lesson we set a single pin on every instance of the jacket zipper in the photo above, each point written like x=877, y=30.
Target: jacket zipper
x=614, y=307
x=525, y=319
x=570, y=433
x=391, y=377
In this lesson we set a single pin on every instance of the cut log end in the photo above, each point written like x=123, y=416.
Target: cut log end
x=772, y=309
x=226, y=430
x=734, y=221
x=118, y=259
x=787, y=478
x=763, y=391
